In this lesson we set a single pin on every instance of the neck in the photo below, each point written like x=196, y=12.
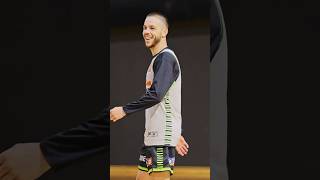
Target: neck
x=158, y=47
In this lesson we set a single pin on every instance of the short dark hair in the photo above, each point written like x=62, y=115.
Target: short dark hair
x=156, y=13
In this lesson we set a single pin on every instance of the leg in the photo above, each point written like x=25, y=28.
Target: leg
x=142, y=175
x=160, y=175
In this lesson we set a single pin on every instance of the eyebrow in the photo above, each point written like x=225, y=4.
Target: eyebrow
x=149, y=26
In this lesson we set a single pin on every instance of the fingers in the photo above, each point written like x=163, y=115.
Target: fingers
x=22, y=162
x=182, y=147
x=182, y=150
x=2, y=159
x=184, y=142
x=116, y=113
x=186, y=145
x=9, y=176
x=112, y=116
x=4, y=170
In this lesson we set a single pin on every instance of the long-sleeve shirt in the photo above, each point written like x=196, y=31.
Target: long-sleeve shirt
x=161, y=101
x=166, y=71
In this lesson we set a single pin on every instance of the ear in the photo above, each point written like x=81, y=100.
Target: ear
x=164, y=32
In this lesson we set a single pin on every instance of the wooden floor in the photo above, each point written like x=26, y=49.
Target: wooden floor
x=180, y=173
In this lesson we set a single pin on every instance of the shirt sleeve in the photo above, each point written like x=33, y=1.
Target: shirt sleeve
x=166, y=71
x=86, y=139
x=216, y=30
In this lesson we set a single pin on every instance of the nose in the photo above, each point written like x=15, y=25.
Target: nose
x=145, y=32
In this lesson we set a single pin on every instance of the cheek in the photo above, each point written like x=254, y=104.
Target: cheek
x=159, y=35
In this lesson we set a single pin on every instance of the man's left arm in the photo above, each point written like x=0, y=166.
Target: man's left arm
x=26, y=161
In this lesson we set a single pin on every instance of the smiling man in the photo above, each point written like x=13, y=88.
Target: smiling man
x=161, y=102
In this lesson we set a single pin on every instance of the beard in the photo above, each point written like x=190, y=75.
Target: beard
x=154, y=42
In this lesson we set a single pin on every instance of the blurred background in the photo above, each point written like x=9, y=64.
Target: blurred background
x=53, y=74
x=189, y=37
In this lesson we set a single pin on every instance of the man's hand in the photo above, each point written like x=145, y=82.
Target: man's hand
x=182, y=146
x=116, y=114
x=22, y=162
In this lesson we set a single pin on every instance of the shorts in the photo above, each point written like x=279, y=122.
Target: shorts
x=157, y=159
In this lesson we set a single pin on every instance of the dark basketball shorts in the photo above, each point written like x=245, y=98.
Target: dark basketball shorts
x=157, y=159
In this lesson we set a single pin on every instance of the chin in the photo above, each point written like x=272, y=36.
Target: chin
x=148, y=45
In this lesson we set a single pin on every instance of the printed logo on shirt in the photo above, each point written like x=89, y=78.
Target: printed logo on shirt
x=152, y=134
x=142, y=158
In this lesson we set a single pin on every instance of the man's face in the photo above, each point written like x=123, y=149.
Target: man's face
x=153, y=30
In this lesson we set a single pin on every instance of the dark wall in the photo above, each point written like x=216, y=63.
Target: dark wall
x=273, y=49
x=53, y=74
x=132, y=12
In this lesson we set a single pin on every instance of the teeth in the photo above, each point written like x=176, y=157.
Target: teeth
x=147, y=38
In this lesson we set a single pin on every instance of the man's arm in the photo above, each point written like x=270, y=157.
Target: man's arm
x=86, y=139
x=27, y=161
x=166, y=71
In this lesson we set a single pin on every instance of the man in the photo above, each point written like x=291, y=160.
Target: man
x=161, y=102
